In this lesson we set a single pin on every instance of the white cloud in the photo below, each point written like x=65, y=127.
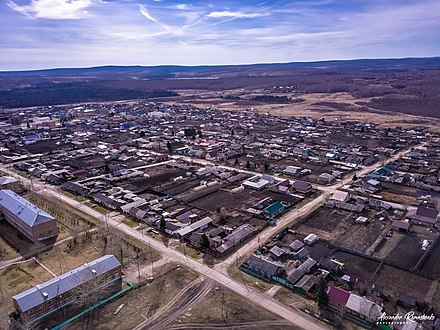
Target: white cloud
x=234, y=14
x=182, y=6
x=147, y=15
x=53, y=9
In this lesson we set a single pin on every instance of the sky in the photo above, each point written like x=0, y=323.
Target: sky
x=38, y=34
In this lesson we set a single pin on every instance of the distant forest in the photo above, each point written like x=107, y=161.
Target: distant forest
x=411, y=91
x=68, y=93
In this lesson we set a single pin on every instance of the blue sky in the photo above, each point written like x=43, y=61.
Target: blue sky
x=76, y=33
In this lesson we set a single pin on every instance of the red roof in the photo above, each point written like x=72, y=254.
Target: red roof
x=337, y=295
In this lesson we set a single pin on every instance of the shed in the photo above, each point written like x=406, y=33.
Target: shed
x=310, y=239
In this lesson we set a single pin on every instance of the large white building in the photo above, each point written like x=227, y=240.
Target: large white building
x=29, y=220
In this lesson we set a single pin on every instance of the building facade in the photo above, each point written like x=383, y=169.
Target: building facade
x=28, y=219
x=69, y=292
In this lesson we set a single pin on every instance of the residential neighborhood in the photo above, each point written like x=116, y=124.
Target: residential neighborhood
x=352, y=207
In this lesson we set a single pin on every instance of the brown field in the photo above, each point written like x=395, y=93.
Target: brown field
x=407, y=252
x=326, y=223
x=360, y=237
x=390, y=279
x=224, y=308
x=15, y=279
x=357, y=266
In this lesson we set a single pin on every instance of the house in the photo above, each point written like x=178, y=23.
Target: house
x=329, y=265
x=296, y=245
x=8, y=182
x=274, y=209
x=51, y=299
x=277, y=253
x=292, y=171
x=326, y=178
x=354, y=304
x=198, y=225
x=424, y=215
x=302, y=187
x=340, y=196
x=260, y=184
x=106, y=201
x=363, y=308
x=76, y=188
x=402, y=226
x=306, y=284
x=29, y=220
x=306, y=267
x=337, y=297
x=263, y=267
x=79, y=174
x=235, y=238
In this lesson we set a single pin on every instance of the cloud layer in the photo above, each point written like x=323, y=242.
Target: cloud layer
x=60, y=33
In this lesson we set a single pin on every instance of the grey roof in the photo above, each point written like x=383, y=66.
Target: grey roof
x=307, y=282
x=296, y=245
x=328, y=264
x=262, y=266
x=301, y=185
x=27, y=212
x=33, y=297
x=234, y=238
x=7, y=179
x=194, y=226
x=277, y=251
x=302, y=269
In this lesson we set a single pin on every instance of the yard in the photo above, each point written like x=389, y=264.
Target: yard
x=15, y=279
x=223, y=308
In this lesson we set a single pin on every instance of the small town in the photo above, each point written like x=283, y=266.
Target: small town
x=155, y=214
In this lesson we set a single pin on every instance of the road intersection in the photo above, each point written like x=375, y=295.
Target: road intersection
x=219, y=272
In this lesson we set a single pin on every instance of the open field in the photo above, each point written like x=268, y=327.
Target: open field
x=390, y=279
x=15, y=279
x=222, y=307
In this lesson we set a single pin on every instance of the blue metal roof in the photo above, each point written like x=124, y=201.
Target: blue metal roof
x=274, y=208
x=23, y=209
x=65, y=282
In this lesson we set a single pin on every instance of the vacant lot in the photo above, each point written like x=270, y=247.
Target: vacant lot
x=407, y=252
x=404, y=190
x=394, y=280
x=223, y=308
x=356, y=265
x=239, y=201
x=327, y=223
x=432, y=265
x=161, y=179
x=359, y=237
